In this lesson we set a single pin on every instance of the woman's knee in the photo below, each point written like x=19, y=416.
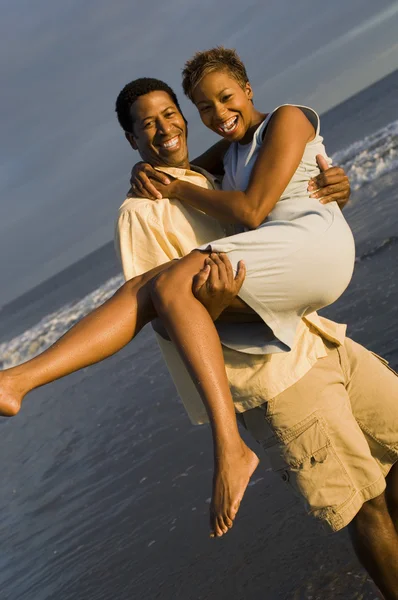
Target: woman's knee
x=175, y=284
x=164, y=289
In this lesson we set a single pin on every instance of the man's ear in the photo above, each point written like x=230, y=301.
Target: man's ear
x=249, y=91
x=131, y=140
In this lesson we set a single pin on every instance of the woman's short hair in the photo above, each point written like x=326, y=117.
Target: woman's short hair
x=208, y=61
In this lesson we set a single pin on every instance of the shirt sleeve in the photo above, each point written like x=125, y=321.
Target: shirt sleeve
x=141, y=242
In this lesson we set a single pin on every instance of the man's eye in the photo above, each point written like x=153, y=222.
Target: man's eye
x=148, y=124
x=170, y=114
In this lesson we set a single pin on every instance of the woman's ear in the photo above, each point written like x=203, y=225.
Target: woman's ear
x=131, y=140
x=249, y=91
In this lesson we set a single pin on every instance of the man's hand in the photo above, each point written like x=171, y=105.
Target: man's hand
x=330, y=185
x=141, y=185
x=215, y=285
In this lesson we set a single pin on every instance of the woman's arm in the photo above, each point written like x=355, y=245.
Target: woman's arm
x=285, y=139
x=212, y=160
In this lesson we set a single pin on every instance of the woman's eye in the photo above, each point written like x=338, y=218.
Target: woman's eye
x=227, y=97
x=204, y=109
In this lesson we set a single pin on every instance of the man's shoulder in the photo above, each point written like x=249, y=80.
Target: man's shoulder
x=132, y=204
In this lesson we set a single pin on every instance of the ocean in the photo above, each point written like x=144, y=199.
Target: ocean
x=105, y=484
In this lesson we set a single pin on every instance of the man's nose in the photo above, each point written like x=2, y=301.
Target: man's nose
x=164, y=126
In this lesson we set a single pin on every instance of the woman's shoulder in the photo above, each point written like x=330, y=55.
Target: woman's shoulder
x=295, y=112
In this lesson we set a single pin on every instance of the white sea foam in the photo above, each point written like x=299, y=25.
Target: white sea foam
x=368, y=159
x=364, y=161
x=50, y=328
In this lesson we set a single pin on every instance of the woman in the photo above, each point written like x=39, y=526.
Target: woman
x=114, y=324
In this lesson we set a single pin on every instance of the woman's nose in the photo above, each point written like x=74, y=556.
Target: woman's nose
x=220, y=112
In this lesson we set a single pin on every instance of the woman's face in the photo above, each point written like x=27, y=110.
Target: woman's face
x=224, y=106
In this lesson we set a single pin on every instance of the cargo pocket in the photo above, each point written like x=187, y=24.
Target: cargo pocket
x=305, y=458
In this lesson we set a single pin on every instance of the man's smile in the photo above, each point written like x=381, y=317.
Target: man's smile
x=172, y=143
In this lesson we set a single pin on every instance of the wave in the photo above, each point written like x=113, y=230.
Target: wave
x=50, y=328
x=370, y=158
x=364, y=161
x=384, y=245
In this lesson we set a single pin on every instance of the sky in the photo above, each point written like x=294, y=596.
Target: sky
x=64, y=163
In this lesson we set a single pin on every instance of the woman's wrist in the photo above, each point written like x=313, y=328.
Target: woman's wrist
x=177, y=189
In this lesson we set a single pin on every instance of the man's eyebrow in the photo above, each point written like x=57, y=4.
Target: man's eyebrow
x=172, y=106
x=163, y=111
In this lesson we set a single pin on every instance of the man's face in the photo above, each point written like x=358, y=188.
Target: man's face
x=159, y=131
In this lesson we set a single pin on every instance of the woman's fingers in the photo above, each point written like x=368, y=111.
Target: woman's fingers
x=148, y=187
x=141, y=176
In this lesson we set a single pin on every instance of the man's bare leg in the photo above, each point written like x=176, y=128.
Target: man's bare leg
x=110, y=327
x=375, y=541
x=392, y=494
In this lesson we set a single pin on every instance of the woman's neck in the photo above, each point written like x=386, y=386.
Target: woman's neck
x=256, y=120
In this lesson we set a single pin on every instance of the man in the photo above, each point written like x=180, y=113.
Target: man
x=320, y=410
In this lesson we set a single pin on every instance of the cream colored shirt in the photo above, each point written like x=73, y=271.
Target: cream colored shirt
x=151, y=232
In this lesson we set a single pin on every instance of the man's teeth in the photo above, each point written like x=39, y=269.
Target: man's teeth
x=229, y=125
x=171, y=143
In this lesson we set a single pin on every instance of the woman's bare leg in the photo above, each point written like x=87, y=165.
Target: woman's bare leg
x=98, y=335
x=110, y=327
x=186, y=319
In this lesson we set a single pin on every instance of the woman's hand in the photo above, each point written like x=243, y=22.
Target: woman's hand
x=143, y=181
x=332, y=184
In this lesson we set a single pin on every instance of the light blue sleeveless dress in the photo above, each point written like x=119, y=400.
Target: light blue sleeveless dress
x=299, y=260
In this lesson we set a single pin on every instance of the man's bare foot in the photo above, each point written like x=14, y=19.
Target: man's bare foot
x=231, y=477
x=10, y=396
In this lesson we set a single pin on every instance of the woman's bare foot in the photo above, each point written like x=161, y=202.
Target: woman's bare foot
x=10, y=395
x=232, y=474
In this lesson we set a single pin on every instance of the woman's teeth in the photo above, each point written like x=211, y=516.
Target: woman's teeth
x=229, y=125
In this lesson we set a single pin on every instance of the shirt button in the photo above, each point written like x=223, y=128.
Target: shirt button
x=285, y=476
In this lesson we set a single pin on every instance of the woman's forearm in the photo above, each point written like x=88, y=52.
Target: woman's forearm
x=229, y=207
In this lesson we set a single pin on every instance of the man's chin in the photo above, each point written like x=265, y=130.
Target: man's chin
x=177, y=160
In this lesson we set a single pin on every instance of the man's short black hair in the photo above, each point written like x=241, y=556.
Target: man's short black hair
x=132, y=91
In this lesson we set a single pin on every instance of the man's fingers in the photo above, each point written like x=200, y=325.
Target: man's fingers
x=335, y=198
x=228, y=267
x=322, y=162
x=222, y=274
x=214, y=275
x=240, y=275
x=200, y=279
x=329, y=177
x=334, y=188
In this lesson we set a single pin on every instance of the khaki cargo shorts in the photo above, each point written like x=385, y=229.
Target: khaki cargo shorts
x=333, y=436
